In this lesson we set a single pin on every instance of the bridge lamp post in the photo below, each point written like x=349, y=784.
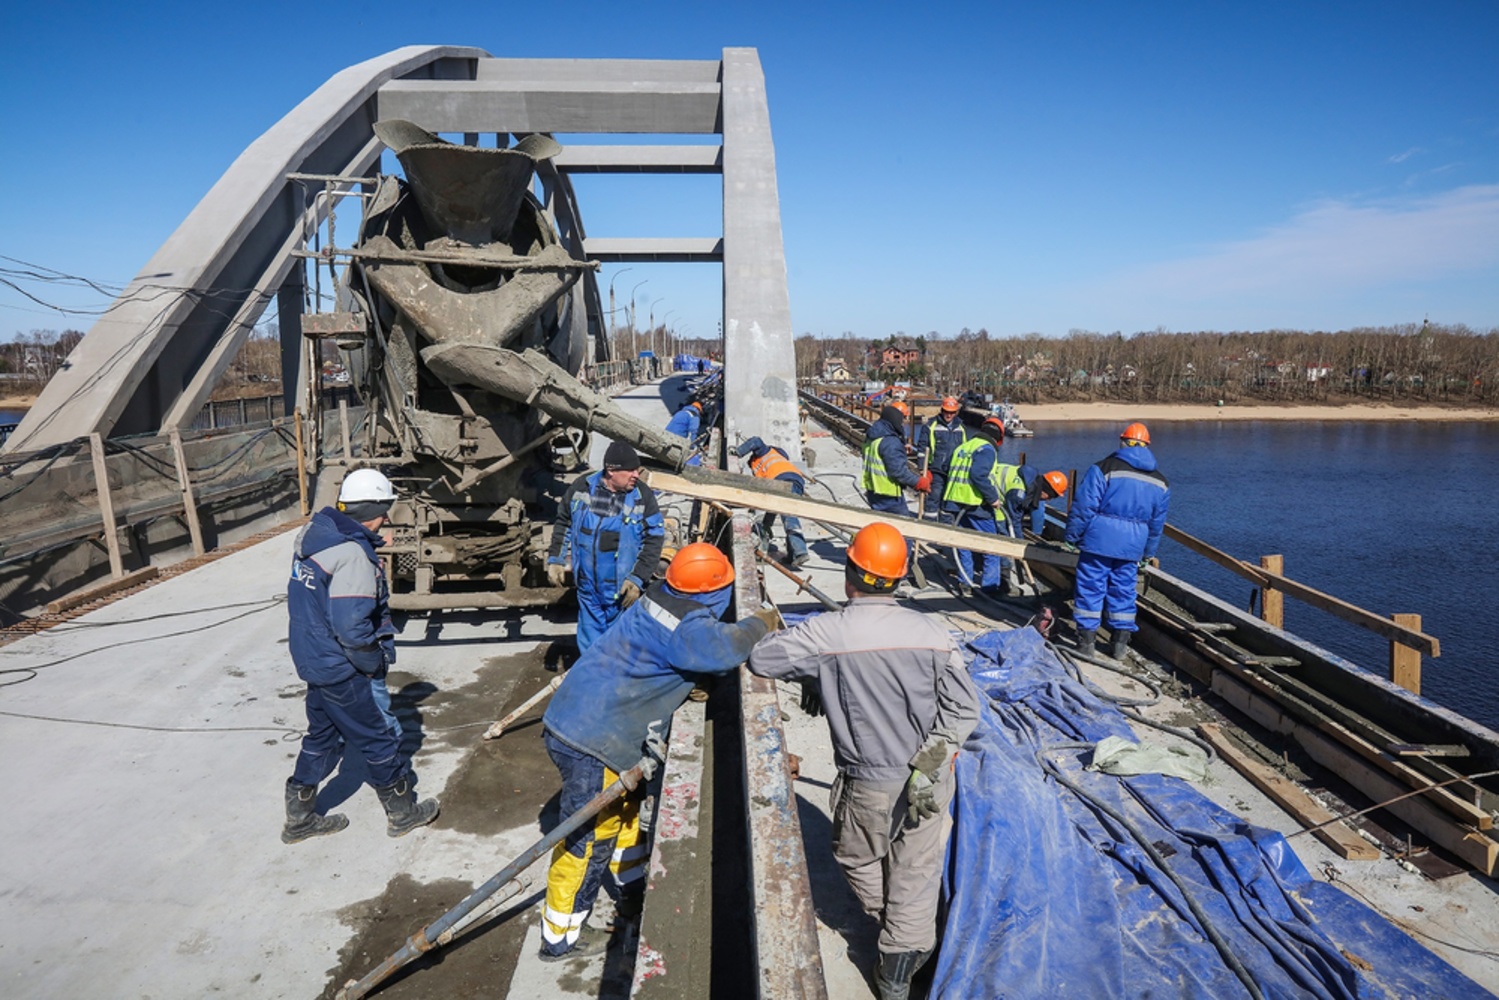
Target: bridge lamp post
x=613, y=325
x=633, y=352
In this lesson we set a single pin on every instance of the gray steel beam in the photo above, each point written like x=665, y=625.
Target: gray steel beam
x=759, y=353
x=636, y=72
x=702, y=159
x=131, y=368
x=614, y=250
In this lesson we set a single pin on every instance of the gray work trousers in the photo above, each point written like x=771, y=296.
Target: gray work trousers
x=893, y=865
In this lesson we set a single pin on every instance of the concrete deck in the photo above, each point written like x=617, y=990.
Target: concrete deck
x=141, y=854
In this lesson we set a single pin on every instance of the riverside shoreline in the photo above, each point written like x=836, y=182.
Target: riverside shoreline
x=1167, y=412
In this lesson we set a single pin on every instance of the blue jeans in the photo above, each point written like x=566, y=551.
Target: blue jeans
x=795, y=541
x=889, y=505
x=342, y=713
x=978, y=519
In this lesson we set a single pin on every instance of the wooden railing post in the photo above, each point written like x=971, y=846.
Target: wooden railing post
x=106, y=506
x=1272, y=601
x=185, y=485
x=1405, y=662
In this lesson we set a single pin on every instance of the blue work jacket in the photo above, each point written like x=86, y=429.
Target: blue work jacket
x=640, y=671
x=940, y=441
x=1119, y=509
x=338, y=602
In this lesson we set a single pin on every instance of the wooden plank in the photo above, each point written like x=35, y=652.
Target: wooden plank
x=1275, y=709
x=1476, y=849
x=1272, y=601
x=1405, y=662
x=1292, y=798
x=185, y=485
x=1310, y=595
x=343, y=427
x=103, y=590
x=106, y=505
x=699, y=487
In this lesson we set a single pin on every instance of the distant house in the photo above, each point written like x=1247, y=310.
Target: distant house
x=898, y=356
x=834, y=370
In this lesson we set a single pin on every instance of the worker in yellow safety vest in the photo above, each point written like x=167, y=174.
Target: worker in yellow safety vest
x=976, y=486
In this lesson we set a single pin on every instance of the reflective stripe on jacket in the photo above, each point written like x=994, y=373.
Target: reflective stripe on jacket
x=875, y=478
x=942, y=439
x=885, y=467
x=1119, y=509
x=961, y=481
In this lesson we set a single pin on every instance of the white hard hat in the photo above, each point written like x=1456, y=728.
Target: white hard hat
x=366, y=486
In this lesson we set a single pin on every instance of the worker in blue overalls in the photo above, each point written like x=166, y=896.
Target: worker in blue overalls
x=1117, y=518
x=685, y=423
x=942, y=437
x=611, y=530
x=769, y=462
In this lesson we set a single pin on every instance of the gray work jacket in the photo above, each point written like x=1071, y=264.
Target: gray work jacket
x=890, y=677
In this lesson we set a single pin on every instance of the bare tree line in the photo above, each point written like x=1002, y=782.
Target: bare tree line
x=1416, y=363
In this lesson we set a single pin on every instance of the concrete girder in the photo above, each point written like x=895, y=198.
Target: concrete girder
x=140, y=362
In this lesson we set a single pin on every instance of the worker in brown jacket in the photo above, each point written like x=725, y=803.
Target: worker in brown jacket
x=899, y=705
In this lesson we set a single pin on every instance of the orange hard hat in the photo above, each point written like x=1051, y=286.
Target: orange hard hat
x=699, y=568
x=900, y=405
x=877, y=557
x=1057, y=480
x=1136, y=432
x=950, y=404
x=696, y=403
x=995, y=426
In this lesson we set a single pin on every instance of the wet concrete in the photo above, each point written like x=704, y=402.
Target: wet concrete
x=478, y=964
x=498, y=786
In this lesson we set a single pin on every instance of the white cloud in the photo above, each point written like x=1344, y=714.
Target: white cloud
x=1402, y=157
x=1335, y=247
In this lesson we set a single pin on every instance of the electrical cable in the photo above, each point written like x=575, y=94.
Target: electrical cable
x=32, y=671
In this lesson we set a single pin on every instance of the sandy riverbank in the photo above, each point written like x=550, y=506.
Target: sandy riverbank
x=1126, y=412
x=17, y=402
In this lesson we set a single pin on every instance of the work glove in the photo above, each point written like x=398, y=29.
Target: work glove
x=921, y=797
x=924, y=484
x=1144, y=564
x=770, y=616
x=1069, y=547
x=629, y=593
x=557, y=574
x=811, y=701
x=921, y=789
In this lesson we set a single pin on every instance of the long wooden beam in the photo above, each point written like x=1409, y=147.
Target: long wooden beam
x=702, y=485
x=1378, y=624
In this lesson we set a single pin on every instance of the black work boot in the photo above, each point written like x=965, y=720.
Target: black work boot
x=302, y=820
x=1121, y=643
x=402, y=812
x=1086, y=638
x=892, y=975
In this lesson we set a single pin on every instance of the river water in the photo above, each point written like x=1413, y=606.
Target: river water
x=1393, y=517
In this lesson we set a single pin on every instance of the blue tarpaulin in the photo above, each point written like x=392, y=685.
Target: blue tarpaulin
x=1049, y=896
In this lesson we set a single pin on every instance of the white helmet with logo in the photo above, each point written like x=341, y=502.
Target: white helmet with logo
x=366, y=486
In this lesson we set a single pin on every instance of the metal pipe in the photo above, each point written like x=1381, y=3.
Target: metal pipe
x=435, y=934
x=494, y=731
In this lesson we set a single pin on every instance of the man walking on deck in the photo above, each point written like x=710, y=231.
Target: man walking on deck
x=975, y=498
x=342, y=643
x=886, y=472
x=942, y=436
x=612, y=530
x=899, y=706
x=769, y=462
x=596, y=728
x=1118, y=515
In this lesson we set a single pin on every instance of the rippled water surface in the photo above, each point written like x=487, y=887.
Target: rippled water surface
x=1393, y=517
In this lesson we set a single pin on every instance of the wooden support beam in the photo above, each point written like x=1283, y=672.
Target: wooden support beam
x=343, y=426
x=106, y=506
x=1272, y=601
x=1378, y=624
x=103, y=590
x=1405, y=662
x=713, y=486
x=185, y=485
x=1292, y=798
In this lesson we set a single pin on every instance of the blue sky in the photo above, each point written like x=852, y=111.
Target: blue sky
x=1018, y=167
